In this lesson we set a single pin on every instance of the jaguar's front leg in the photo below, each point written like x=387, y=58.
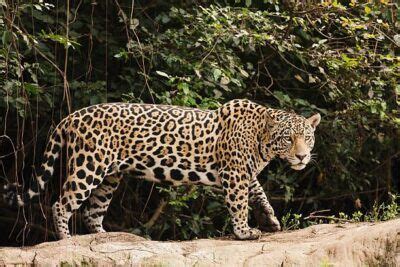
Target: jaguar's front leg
x=258, y=198
x=236, y=190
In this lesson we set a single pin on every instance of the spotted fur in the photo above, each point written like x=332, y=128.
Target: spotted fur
x=225, y=148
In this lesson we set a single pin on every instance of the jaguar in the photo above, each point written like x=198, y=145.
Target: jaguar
x=225, y=148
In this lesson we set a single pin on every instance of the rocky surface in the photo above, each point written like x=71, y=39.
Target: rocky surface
x=363, y=244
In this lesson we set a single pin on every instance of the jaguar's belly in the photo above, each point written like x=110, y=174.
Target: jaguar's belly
x=176, y=177
x=175, y=165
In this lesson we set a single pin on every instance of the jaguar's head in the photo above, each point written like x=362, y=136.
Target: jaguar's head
x=293, y=138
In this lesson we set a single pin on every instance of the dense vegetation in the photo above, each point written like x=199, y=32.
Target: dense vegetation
x=339, y=59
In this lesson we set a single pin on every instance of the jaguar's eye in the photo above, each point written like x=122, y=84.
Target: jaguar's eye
x=308, y=138
x=287, y=138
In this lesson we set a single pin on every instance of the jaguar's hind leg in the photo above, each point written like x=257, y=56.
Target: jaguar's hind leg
x=97, y=204
x=61, y=216
x=83, y=177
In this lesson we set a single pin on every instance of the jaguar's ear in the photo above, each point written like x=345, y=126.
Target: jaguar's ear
x=314, y=120
x=272, y=125
x=271, y=122
x=272, y=118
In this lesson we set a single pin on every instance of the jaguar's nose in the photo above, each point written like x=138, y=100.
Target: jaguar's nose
x=301, y=157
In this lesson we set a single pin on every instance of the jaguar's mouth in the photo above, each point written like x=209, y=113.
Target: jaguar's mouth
x=298, y=166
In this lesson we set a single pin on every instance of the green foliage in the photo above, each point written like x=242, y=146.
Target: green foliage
x=340, y=59
x=347, y=71
x=381, y=212
x=190, y=218
x=291, y=221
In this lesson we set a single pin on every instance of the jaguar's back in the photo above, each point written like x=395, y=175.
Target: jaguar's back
x=160, y=143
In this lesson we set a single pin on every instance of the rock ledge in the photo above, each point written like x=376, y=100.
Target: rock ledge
x=320, y=245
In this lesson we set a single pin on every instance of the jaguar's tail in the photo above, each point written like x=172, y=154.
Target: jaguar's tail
x=17, y=195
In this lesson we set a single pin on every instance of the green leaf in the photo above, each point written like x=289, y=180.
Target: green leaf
x=184, y=87
x=367, y=10
x=217, y=73
x=163, y=74
x=61, y=39
x=32, y=89
x=165, y=19
x=6, y=38
x=397, y=90
x=224, y=80
x=244, y=73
